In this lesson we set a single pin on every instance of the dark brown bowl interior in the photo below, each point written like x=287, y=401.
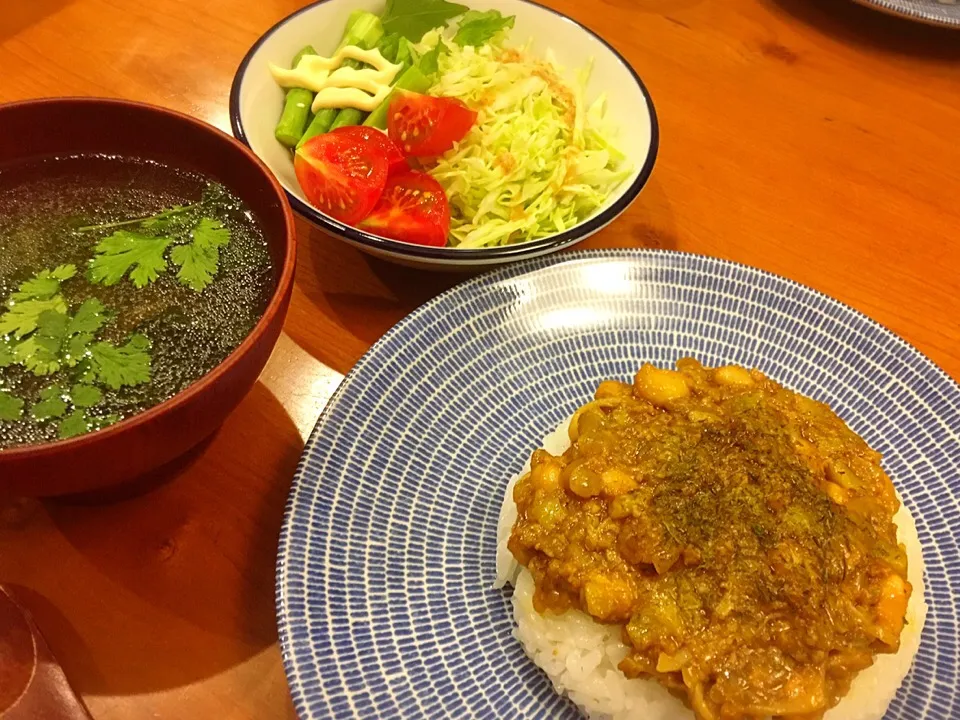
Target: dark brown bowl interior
x=66, y=126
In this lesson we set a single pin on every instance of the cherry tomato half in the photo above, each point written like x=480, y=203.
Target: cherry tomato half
x=413, y=208
x=340, y=175
x=396, y=160
x=425, y=126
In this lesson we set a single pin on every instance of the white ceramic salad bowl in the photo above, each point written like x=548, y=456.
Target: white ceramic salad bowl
x=256, y=101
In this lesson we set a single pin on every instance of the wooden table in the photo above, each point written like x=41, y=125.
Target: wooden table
x=811, y=138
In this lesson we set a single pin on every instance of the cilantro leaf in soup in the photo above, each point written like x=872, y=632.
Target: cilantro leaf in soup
x=33, y=298
x=211, y=233
x=197, y=264
x=52, y=327
x=36, y=325
x=85, y=396
x=85, y=372
x=44, y=285
x=40, y=353
x=126, y=251
x=412, y=18
x=477, y=28
x=52, y=324
x=73, y=425
x=6, y=352
x=80, y=422
x=199, y=260
x=11, y=407
x=75, y=349
x=51, y=404
x=57, y=340
x=21, y=317
x=118, y=366
x=51, y=392
x=139, y=342
x=99, y=422
x=90, y=317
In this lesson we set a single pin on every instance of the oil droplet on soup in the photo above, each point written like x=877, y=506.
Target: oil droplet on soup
x=42, y=205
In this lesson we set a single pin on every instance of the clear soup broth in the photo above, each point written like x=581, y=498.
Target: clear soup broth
x=121, y=283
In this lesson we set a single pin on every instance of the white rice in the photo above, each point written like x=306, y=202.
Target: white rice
x=580, y=656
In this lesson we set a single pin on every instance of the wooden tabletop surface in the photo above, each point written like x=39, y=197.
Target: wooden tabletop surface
x=813, y=138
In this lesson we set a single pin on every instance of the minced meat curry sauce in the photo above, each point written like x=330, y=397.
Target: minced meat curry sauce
x=740, y=532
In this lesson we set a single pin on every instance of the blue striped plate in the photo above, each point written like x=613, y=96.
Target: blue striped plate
x=387, y=554
x=932, y=12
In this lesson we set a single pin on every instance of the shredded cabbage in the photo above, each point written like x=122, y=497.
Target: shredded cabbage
x=537, y=162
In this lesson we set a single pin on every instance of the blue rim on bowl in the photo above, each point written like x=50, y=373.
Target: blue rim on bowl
x=501, y=252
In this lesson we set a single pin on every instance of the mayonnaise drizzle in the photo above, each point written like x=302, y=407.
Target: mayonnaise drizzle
x=337, y=86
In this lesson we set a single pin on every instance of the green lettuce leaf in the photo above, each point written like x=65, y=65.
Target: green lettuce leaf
x=412, y=18
x=477, y=28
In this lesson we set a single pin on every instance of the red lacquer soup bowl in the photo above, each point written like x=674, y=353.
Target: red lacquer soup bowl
x=136, y=445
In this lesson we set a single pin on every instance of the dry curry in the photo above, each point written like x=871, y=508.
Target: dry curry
x=741, y=533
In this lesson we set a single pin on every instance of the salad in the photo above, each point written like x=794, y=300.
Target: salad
x=427, y=127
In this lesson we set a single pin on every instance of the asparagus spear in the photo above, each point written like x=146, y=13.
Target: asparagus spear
x=347, y=116
x=364, y=30
x=388, y=46
x=296, y=108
